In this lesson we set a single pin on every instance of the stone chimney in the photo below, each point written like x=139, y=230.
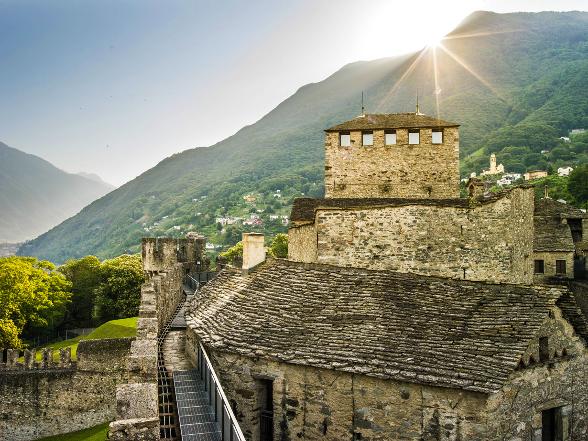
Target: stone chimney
x=253, y=250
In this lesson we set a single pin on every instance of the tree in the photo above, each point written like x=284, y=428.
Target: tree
x=279, y=246
x=84, y=274
x=578, y=184
x=32, y=294
x=234, y=254
x=118, y=294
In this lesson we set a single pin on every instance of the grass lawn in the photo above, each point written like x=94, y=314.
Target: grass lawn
x=112, y=329
x=96, y=433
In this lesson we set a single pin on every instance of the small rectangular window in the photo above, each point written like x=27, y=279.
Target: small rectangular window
x=367, y=138
x=344, y=139
x=414, y=137
x=560, y=267
x=437, y=137
x=390, y=137
x=539, y=267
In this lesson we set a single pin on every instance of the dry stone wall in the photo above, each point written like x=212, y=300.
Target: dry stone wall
x=549, y=272
x=313, y=404
x=39, y=399
x=559, y=380
x=424, y=170
x=490, y=241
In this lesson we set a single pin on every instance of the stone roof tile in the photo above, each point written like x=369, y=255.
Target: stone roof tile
x=391, y=121
x=428, y=330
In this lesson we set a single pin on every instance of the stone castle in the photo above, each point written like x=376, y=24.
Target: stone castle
x=403, y=312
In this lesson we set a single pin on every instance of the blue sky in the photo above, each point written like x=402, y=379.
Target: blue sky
x=113, y=87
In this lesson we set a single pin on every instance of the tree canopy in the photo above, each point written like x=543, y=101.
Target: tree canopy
x=279, y=246
x=32, y=293
x=578, y=184
x=118, y=294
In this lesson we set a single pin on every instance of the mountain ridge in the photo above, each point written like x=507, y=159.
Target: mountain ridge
x=37, y=196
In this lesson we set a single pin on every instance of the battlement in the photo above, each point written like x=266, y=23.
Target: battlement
x=30, y=361
x=160, y=254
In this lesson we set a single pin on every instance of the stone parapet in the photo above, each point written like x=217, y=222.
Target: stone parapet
x=138, y=429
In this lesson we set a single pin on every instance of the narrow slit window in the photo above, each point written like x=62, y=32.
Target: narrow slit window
x=539, y=266
x=367, y=138
x=345, y=139
x=437, y=137
x=543, y=348
x=390, y=137
x=560, y=267
x=414, y=137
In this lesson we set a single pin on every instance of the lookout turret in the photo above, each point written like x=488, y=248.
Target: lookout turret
x=407, y=155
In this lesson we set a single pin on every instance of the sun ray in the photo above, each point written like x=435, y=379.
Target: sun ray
x=436, y=78
x=406, y=73
x=472, y=72
x=477, y=34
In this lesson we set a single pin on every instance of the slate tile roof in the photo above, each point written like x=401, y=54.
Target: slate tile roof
x=419, y=329
x=573, y=312
x=550, y=207
x=550, y=233
x=303, y=209
x=391, y=121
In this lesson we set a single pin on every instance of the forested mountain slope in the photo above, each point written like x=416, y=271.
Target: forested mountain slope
x=512, y=80
x=36, y=196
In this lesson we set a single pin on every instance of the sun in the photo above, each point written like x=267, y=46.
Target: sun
x=433, y=41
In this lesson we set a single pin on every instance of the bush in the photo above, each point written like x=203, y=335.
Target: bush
x=279, y=246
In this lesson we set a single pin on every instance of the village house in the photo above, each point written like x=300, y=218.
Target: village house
x=535, y=174
x=403, y=311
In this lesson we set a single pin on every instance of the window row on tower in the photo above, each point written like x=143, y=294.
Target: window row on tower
x=367, y=137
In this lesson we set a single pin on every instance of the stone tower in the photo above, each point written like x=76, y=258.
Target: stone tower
x=493, y=163
x=400, y=155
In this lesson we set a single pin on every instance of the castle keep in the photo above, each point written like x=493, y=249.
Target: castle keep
x=393, y=155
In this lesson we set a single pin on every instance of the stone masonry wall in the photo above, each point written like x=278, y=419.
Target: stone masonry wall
x=561, y=381
x=402, y=170
x=491, y=241
x=302, y=243
x=47, y=399
x=322, y=404
x=549, y=259
x=165, y=261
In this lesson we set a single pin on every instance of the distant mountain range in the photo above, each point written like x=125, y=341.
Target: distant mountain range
x=512, y=80
x=35, y=195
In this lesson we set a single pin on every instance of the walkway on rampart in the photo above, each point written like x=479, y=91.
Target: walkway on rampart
x=185, y=410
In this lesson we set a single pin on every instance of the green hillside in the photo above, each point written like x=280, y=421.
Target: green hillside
x=521, y=81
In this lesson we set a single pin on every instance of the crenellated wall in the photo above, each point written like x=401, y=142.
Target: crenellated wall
x=47, y=397
x=166, y=261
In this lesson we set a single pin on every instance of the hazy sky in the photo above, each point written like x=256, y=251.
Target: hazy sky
x=113, y=87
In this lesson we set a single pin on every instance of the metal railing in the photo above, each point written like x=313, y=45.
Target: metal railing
x=196, y=280
x=223, y=414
